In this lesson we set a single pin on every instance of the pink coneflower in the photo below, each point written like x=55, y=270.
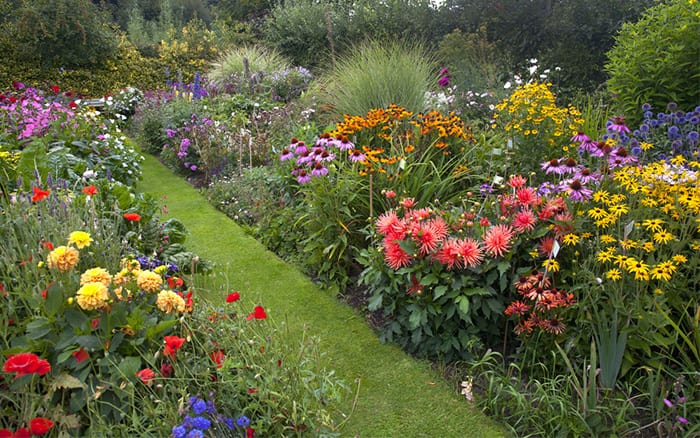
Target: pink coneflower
x=588, y=146
x=524, y=221
x=497, y=240
x=344, y=144
x=304, y=157
x=578, y=192
x=286, y=155
x=554, y=166
x=580, y=137
x=357, y=155
x=570, y=165
x=300, y=148
x=395, y=257
x=303, y=176
x=326, y=156
x=620, y=157
x=618, y=125
x=324, y=139
x=585, y=176
x=319, y=170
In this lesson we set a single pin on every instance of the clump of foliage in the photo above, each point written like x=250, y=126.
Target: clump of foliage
x=655, y=60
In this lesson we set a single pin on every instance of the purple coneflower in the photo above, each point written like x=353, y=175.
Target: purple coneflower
x=303, y=177
x=319, y=170
x=618, y=125
x=620, y=157
x=356, y=155
x=578, y=192
x=344, y=144
x=580, y=137
x=286, y=155
x=553, y=166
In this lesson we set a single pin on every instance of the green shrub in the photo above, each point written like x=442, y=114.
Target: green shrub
x=655, y=60
x=238, y=66
x=376, y=75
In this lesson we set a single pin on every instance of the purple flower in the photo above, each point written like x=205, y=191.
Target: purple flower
x=303, y=177
x=179, y=432
x=184, y=144
x=319, y=170
x=618, y=125
x=485, y=189
x=554, y=166
x=170, y=133
x=578, y=192
x=620, y=157
x=356, y=156
x=682, y=420
x=199, y=406
x=668, y=403
x=286, y=155
x=344, y=144
x=580, y=137
x=243, y=421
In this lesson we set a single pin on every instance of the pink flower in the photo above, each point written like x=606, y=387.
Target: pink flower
x=146, y=375
x=524, y=221
x=394, y=256
x=497, y=240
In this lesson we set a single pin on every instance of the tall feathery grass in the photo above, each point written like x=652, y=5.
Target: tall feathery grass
x=259, y=59
x=376, y=74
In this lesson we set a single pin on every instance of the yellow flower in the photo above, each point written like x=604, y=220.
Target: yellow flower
x=653, y=225
x=551, y=265
x=679, y=259
x=646, y=146
x=678, y=160
x=92, y=296
x=606, y=256
x=613, y=274
x=168, y=301
x=663, y=236
x=160, y=270
x=638, y=268
x=621, y=260
x=648, y=246
x=63, y=258
x=628, y=244
x=601, y=196
x=96, y=275
x=130, y=264
x=149, y=281
x=570, y=239
x=607, y=238
x=81, y=239
x=596, y=213
x=618, y=210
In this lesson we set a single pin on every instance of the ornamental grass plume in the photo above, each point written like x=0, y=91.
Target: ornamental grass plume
x=63, y=258
x=92, y=296
x=169, y=302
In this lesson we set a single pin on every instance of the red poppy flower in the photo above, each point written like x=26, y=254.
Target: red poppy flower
x=55, y=89
x=22, y=433
x=233, y=297
x=252, y=390
x=175, y=282
x=218, y=357
x=47, y=245
x=133, y=217
x=90, y=190
x=172, y=345
x=4, y=433
x=40, y=425
x=80, y=355
x=73, y=105
x=26, y=363
x=39, y=194
x=146, y=375
x=166, y=370
x=258, y=313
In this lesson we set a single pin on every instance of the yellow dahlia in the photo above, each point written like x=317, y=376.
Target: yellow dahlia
x=63, y=258
x=96, y=275
x=168, y=301
x=92, y=296
x=81, y=239
x=149, y=281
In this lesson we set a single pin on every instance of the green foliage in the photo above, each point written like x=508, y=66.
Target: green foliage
x=60, y=33
x=655, y=60
x=376, y=75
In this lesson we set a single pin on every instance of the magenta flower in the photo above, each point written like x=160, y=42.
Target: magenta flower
x=618, y=125
x=578, y=192
x=286, y=155
x=356, y=156
x=580, y=137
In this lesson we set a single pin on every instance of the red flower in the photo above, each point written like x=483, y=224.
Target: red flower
x=249, y=432
x=40, y=425
x=233, y=297
x=146, y=375
x=252, y=390
x=172, y=345
x=26, y=363
x=47, y=245
x=258, y=313
x=166, y=369
x=55, y=89
x=22, y=433
x=90, y=190
x=217, y=356
x=39, y=194
x=95, y=323
x=73, y=105
x=133, y=217
x=5, y=433
x=175, y=282
x=80, y=355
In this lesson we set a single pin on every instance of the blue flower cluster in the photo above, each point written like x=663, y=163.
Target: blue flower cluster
x=152, y=263
x=674, y=132
x=205, y=418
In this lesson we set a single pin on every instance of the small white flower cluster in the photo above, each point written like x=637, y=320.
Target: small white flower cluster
x=532, y=70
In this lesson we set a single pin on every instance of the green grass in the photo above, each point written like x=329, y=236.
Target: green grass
x=393, y=394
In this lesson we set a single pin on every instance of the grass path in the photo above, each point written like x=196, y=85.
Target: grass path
x=397, y=395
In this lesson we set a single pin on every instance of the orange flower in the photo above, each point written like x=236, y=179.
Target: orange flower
x=146, y=375
x=132, y=217
x=90, y=190
x=172, y=345
x=39, y=194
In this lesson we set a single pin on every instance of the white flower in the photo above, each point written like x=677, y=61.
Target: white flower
x=533, y=61
x=507, y=85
